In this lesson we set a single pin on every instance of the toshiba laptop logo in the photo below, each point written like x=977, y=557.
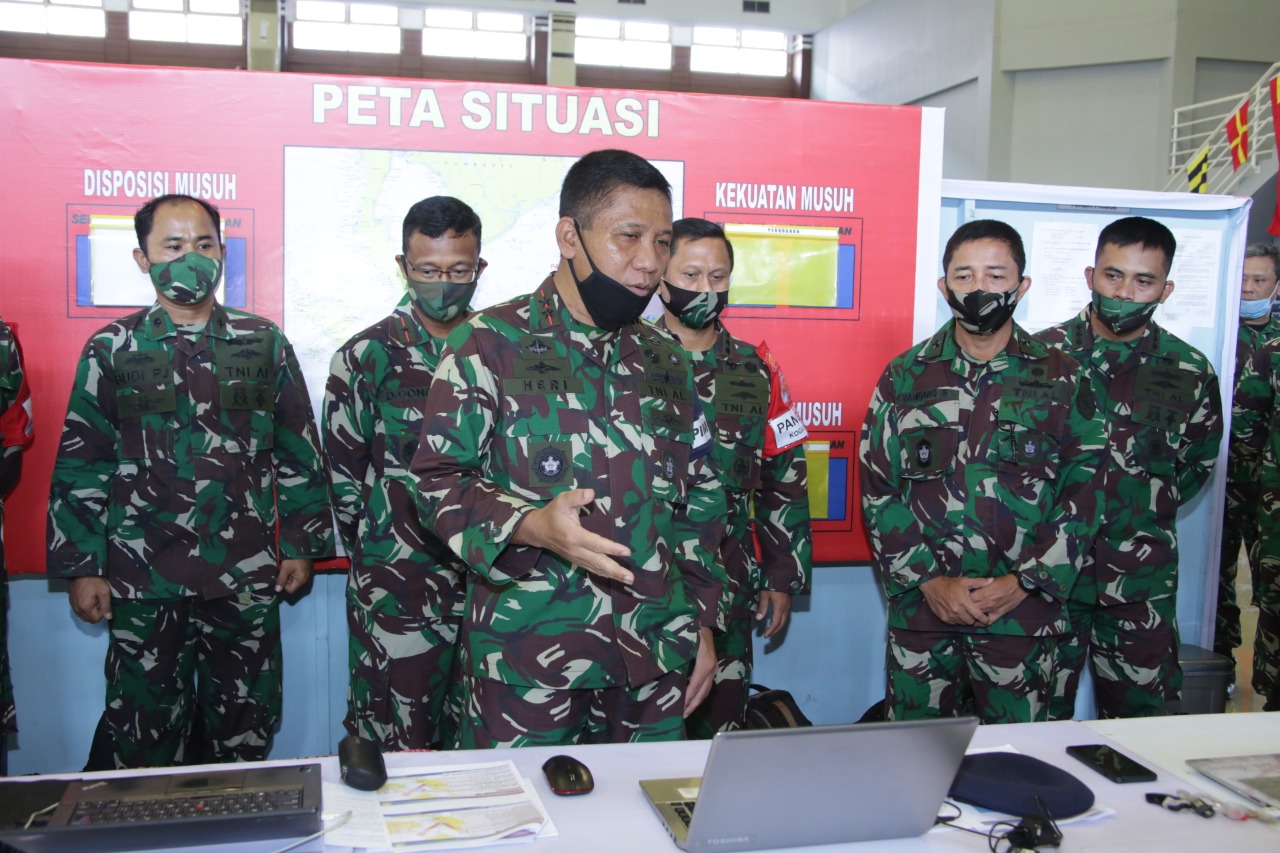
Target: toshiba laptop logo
x=728, y=839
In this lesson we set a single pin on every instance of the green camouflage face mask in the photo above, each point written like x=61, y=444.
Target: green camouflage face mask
x=188, y=280
x=696, y=309
x=1122, y=317
x=982, y=312
x=442, y=301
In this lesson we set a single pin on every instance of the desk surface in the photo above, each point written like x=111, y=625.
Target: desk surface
x=616, y=818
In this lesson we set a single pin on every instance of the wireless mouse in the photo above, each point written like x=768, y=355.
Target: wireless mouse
x=361, y=764
x=567, y=776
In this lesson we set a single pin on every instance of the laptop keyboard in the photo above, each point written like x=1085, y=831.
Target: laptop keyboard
x=179, y=808
x=684, y=811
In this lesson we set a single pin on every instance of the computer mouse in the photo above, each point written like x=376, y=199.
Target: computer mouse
x=361, y=764
x=567, y=776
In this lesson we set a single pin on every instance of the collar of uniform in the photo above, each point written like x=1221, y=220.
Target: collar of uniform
x=1149, y=345
x=547, y=313
x=157, y=324
x=1025, y=346
x=718, y=350
x=408, y=330
x=1266, y=331
x=942, y=346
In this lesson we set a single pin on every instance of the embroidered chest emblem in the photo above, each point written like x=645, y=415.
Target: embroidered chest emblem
x=549, y=464
x=924, y=453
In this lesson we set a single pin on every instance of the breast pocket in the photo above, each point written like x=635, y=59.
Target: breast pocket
x=248, y=417
x=1030, y=439
x=930, y=440
x=668, y=441
x=146, y=421
x=737, y=451
x=544, y=456
x=401, y=428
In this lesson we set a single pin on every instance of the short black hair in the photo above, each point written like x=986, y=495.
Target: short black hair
x=591, y=181
x=986, y=229
x=1264, y=250
x=145, y=217
x=1139, y=231
x=437, y=216
x=695, y=228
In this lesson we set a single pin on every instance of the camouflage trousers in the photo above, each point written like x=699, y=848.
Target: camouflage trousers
x=1239, y=527
x=401, y=695
x=1133, y=651
x=209, y=666
x=501, y=715
x=725, y=707
x=1266, y=642
x=997, y=677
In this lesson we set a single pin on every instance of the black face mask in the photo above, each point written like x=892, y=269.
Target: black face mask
x=696, y=309
x=981, y=312
x=610, y=304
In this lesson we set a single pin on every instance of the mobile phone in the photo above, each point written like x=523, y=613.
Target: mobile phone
x=1114, y=765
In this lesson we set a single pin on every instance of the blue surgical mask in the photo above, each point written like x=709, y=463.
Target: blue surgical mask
x=1254, y=309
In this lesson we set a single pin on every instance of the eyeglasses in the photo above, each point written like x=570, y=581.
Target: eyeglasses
x=431, y=274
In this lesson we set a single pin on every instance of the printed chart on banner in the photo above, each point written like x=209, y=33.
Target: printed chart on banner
x=831, y=461
x=786, y=267
x=103, y=277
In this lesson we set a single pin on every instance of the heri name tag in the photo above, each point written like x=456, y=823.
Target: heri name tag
x=551, y=463
x=539, y=387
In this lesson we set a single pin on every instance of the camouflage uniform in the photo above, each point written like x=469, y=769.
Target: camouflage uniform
x=184, y=453
x=978, y=469
x=1159, y=397
x=1255, y=449
x=528, y=403
x=1238, y=523
x=734, y=386
x=16, y=436
x=405, y=590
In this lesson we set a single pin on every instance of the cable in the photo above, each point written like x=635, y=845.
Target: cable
x=338, y=822
x=34, y=815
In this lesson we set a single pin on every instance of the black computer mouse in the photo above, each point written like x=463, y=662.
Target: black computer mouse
x=567, y=776
x=361, y=764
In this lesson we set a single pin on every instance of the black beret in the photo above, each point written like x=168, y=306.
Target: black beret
x=1010, y=782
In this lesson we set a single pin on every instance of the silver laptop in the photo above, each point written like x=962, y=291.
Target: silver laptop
x=819, y=785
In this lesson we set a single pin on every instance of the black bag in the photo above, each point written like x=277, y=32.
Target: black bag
x=773, y=709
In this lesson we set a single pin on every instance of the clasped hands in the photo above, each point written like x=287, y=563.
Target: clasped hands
x=972, y=601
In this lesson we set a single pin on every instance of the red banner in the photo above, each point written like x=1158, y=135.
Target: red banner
x=1238, y=135
x=1274, y=228
x=313, y=175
